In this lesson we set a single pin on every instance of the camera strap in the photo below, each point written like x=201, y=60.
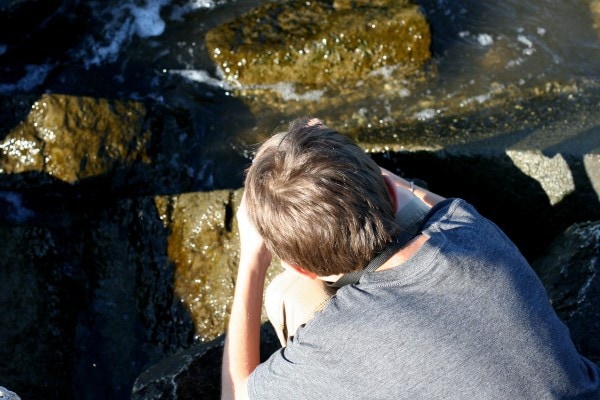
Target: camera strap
x=411, y=219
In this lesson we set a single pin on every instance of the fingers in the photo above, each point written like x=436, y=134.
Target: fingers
x=252, y=244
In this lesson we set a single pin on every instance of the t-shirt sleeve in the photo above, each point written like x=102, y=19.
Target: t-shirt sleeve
x=290, y=373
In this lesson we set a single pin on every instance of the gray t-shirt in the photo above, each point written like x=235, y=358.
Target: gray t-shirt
x=464, y=318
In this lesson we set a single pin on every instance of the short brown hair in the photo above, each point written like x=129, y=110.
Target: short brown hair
x=318, y=200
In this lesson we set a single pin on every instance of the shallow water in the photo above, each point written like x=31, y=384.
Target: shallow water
x=479, y=48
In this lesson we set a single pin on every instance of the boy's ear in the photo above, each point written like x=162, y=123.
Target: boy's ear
x=391, y=189
x=299, y=270
x=304, y=272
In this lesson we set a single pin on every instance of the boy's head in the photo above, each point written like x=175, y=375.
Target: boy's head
x=318, y=200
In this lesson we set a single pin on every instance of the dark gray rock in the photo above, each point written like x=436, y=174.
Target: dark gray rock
x=571, y=273
x=87, y=300
x=193, y=374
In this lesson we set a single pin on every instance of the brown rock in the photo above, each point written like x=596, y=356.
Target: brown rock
x=72, y=138
x=318, y=44
x=203, y=244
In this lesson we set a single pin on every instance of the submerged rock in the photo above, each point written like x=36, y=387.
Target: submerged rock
x=571, y=273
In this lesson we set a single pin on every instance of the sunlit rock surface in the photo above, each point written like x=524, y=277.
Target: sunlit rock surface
x=317, y=44
x=141, y=147
x=571, y=273
x=349, y=57
x=203, y=244
x=73, y=138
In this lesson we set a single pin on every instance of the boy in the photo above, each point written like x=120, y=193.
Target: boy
x=446, y=306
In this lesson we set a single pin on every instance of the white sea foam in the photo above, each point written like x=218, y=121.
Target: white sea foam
x=124, y=21
x=3, y=48
x=288, y=92
x=385, y=72
x=179, y=12
x=425, y=114
x=35, y=75
x=480, y=99
x=147, y=20
x=485, y=39
x=524, y=40
x=200, y=76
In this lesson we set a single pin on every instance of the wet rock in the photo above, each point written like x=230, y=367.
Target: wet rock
x=571, y=273
x=74, y=138
x=86, y=145
x=320, y=45
x=203, y=245
x=194, y=373
x=6, y=394
x=39, y=298
x=89, y=302
x=595, y=10
x=130, y=316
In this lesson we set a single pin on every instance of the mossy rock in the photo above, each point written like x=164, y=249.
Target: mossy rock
x=72, y=138
x=320, y=43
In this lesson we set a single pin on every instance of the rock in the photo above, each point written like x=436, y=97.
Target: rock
x=109, y=286
x=194, y=373
x=92, y=300
x=6, y=394
x=203, y=245
x=40, y=295
x=74, y=138
x=595, y=10
x=88, y=145
x=320, y=44
x=571, y=274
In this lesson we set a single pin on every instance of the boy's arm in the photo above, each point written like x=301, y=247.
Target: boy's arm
x=242, y=344
x=399, y=184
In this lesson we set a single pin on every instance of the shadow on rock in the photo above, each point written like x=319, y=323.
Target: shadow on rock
x=195, y=373
x=87, y=300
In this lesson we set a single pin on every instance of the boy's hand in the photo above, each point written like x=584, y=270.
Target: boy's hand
x=402, y=189
x=252, y=245
x=399, y=189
